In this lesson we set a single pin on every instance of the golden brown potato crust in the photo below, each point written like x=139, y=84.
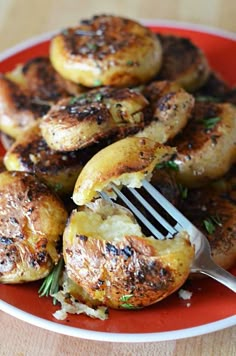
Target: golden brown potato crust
x=171, y=108
x=59, y=170
x=183, y=62
x=213, y=211
x=107, y=50
x=28, y=238
x=17, y=111
x=126, y=162
x=206, y=146
x=78, y=122
x=123, y=272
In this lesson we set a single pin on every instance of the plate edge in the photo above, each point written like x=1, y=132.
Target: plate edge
x=117, y=337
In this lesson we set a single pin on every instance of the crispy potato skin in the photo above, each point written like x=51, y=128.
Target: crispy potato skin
x=127, y=160
x=171, y=108
x=207, y=203
x=107, y=50
x=28, y=239
x=206, y=153
x=132, y=272
x=78, y=122
x=43, y=82
x=59, y=170
x=17, y=113
x=183, y=62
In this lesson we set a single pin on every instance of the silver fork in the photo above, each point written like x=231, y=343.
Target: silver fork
x=203, y=262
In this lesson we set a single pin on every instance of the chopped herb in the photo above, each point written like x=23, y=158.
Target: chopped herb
x=211, y=223
x=73, y=100
x=58, y=186
x=92, y=46
x=97, y=83
x=128, y=306
x=126, y=297
x=50, y=284
x=207, y=99
x=129, y=62
x=183, y=191
x=98, y=97
x=209, y=123
x=168, y=164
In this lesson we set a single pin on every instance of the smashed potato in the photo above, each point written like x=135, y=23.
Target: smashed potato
x=28, y=239
x=108, y=256
x=126, y=161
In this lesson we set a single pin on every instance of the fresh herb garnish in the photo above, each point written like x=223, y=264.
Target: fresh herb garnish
x=50, y=285
x=92, y=46
x=203, y=98
x=73, y=100
x=128, y=306
x=129, y=62
x=211, y=223
x=126, y=297
x=209, y=123
x=98, y=97
x=97, y=83
x=168, y=164
x=58, y=187
x=183, y=191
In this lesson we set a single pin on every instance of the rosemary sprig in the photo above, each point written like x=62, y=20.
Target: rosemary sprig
x=50, y=284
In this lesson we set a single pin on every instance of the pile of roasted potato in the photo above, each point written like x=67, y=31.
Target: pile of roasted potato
x=114, y=103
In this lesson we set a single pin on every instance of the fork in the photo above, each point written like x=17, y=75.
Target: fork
x=203, y=263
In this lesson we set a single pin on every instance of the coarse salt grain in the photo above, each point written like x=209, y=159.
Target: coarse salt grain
x=185, y=294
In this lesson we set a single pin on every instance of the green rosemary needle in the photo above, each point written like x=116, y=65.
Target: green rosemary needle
x=50, y=285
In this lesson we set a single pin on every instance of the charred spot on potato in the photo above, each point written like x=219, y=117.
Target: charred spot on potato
x=112, y=249
x=82, y=237
x=6, y=240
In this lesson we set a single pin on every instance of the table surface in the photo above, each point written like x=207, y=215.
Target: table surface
x=21, y=19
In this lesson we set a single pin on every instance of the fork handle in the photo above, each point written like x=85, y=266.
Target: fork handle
x=216, y=272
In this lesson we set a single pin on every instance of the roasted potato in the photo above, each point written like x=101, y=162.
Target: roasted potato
x=213, y=211
x=206, y=146
x=183, y=62
x=78, y=122
x=171, y=108
x=44, y=83
x=28, y=237
x=105, y=250
x=59, y=170
x=107, y=50
x=17, y=111
x=108, y=256
x=126, y=162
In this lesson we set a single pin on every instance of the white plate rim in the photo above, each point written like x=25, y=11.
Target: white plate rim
x=106, y=336
x=117, y=337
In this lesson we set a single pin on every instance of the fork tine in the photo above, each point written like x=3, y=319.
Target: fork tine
x=153, y=212
x=155, y=232
x=183, y=222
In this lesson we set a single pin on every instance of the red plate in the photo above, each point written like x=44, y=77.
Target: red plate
x=212, y=306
